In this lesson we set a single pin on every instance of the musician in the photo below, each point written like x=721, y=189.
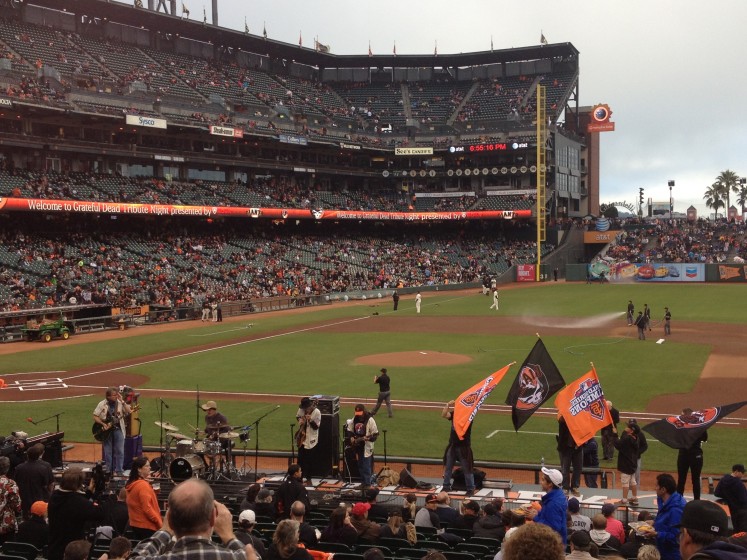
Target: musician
x=309, y=418
x=360, y=434
x=110, y=415
x=215, y=425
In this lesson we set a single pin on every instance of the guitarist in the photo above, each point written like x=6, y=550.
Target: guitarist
x=360, y=434
x=110, y=415
x=309, y=418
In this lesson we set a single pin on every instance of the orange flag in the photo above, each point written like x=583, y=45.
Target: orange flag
x=582, y=405
x=469, y=402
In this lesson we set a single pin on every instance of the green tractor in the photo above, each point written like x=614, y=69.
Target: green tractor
x=47, y=329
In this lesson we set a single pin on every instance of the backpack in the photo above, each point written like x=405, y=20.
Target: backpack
x=387, y=477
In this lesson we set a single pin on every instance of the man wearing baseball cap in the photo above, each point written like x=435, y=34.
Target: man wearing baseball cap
x=731, y=489
x=554, y=504
x=367, y=529
x=703, y=527
x=427, y=516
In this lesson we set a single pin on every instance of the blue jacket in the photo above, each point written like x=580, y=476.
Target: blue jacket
x=665, y=525
x=553, y=512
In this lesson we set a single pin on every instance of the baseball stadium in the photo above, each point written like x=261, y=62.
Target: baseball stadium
x=204, y=219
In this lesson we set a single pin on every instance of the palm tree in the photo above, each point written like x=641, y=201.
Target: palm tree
x=729, y=183
x=712, y=197
x=742, y=195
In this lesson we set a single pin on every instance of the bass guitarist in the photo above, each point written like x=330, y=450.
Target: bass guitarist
x=309, y=418
x=110, y=415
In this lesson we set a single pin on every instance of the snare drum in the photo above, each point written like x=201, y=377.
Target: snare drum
x=185, y=448
x=212, y=447
x=183, y=468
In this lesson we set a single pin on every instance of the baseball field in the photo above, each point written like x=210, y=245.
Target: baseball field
x=259, y=364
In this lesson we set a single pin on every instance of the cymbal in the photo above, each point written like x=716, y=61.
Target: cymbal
x=177, y=435
x=229, y=435
x=166, y=426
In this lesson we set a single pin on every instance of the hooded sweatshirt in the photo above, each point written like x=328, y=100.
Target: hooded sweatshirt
x=604, y=538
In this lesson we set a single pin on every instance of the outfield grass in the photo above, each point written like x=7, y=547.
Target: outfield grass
x=315, y=361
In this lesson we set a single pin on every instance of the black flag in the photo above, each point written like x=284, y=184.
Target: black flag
x=680, y=432
x=538, y=380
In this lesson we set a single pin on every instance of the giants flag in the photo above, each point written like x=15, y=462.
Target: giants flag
x=582, y=404
x=537, y=380
x=469, y=402
x=680, y=432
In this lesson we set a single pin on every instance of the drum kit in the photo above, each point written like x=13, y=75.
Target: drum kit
x=204, y=456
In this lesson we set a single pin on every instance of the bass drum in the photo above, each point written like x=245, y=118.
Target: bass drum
x=183, y=468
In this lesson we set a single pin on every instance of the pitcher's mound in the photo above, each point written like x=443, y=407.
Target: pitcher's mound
x=419, y=358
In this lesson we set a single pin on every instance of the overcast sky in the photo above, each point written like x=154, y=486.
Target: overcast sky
x=674, y=72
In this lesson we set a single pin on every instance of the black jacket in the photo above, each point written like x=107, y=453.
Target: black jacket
x=70, y=515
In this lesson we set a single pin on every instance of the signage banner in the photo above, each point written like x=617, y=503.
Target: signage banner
x=732, y=273
x=4, y=102
x=226, y=131
x=600, y=236
x=150, y=122
x=526, y=272
x=297, y=140
x=624, y=271
x=346, y=146
x=413, y=151
x=89, y=207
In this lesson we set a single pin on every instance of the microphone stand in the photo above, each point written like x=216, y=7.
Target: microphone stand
x=160, y=441
x=293, y=447
x=256, y=441
x=57, y=416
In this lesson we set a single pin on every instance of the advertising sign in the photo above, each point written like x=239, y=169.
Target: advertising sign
x=150, y=122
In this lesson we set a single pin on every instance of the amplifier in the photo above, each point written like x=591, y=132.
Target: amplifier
x=327, y=404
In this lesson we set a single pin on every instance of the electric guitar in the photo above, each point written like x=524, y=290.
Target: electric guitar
x=101, y=432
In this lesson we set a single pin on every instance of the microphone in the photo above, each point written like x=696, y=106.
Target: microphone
x=163, y=402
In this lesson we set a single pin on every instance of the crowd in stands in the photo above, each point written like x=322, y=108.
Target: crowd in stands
x=186, y=265
x=678, y=241
x=272, y=191
x=361, y=109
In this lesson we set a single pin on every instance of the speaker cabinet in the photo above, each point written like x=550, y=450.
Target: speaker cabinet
x=407, y=480
x=325, y=460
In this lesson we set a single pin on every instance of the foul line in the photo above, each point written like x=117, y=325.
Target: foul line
x=47, y=400
x=249, y=326
x=223, y=347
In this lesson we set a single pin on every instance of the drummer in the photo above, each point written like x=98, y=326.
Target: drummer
x=216, y=424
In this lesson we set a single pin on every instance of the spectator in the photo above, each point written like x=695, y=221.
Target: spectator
x=731, y=489
x=489, y=524
x=251, y=496
x=340, y=528
x=142, y=503
x=704, y=525
x=648, y=552
x=263, y=507
x=70, y=512
x=666, y=525
x=536, y=541
x=292, y=489
x=445, y=512
x=377, y=510
x=307, y=534
x=470, y=515
x=367, y=530
x=34, y=478
x=614, y=525
x=581, y=544
x=285, y=545
x=396, y=528
x=554, y=504
x=600, y=535
x=77, y=550
x=119, y=549
x=247, y=521
x=35, y=529
x=10, y=503
x=579, y=522
x=427, y=516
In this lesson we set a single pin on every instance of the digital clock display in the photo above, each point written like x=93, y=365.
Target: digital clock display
x=489, y=147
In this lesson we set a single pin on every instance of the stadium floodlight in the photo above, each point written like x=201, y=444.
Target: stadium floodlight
x=671, y=200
